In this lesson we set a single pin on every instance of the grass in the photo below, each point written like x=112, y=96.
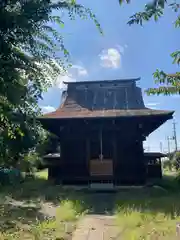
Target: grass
x=136, y=224
x=148, y=216
x=141, y=214
x=42, y=174
x=61, y=226
x=27, y=223
x=22, y=216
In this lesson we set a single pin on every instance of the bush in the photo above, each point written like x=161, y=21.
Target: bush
x=167, y=164
x=29, y=162
x=10, y=176
x=178, y=177
x=176, y=160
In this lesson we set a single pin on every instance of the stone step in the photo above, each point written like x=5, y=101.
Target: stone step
x=102, y=186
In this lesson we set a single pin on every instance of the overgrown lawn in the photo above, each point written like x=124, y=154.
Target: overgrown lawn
x=150, y=214
x=37, y=209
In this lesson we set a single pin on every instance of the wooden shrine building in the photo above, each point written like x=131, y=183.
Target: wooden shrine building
x=101, y=127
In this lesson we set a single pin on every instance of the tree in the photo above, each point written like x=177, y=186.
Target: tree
x=168, y=83
x=176, y=160
x=32, y=54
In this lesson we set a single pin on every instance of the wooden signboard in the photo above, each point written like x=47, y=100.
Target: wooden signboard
x=101, y=167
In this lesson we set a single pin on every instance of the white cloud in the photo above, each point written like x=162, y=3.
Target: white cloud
x=47, y=109
x=111, y=58
x=121, y=48
x=64, y=78
x=81, y=71
x=152, y=105
x=72, y=75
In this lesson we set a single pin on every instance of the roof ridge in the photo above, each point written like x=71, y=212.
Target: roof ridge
x=104, y=81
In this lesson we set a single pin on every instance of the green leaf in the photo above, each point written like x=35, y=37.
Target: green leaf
x=122, y=1
x=32, y=55
x=176, y=57
x=161, y=3
x=156, y=17
x=177, y=22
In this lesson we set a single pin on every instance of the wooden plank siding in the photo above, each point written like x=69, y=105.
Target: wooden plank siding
x=123, y=159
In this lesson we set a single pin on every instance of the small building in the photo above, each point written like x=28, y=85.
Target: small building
x=101, y=127
x=153, y=162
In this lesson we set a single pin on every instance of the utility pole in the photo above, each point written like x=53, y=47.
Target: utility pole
x=161, y=147
x=175, y=135
x=168, y=140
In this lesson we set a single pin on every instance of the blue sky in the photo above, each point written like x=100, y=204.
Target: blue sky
x=122, y=52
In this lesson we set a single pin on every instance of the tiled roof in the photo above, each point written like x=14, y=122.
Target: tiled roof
x=105, y=113
x=116, y=98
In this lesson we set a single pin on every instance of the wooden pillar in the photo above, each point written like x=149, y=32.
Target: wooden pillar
x=88, y=155
x=142, y=162
x=160, y=166
x=114, y=145
x=52, y=173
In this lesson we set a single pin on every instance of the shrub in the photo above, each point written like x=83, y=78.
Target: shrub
x=10, y=176
x=29, y=162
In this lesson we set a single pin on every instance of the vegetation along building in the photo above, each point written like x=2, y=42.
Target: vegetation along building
x=101, y=127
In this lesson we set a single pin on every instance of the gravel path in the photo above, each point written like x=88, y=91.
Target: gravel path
x=97, y=227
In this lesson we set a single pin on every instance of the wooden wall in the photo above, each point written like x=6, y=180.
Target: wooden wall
x=154, y=171
x=74, y=164
x=130, y=166
x=124, y=147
